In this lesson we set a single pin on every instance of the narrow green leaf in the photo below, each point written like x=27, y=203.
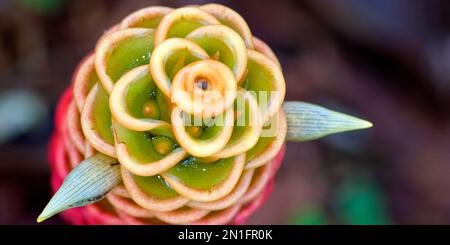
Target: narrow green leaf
x=308, y=122
x=87, y=183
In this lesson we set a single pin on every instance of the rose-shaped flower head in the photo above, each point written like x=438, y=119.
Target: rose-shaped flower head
x=185, y=106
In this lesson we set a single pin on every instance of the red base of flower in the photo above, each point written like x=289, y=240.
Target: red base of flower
x=95, y=214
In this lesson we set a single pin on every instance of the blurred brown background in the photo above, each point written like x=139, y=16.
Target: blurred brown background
x=385, y=61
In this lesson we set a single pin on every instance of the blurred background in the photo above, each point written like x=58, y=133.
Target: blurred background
x=385, y=61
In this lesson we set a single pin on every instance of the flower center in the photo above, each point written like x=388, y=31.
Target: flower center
x=163, y=145
x=204, y=88
x=202, y=84
x=194, y=131
x=150, y=109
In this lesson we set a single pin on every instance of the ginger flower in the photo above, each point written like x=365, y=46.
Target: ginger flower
x=177, y=117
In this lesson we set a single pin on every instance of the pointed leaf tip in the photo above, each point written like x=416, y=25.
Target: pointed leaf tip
x=308, y=121
x=40, y=219
x=87, y=183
